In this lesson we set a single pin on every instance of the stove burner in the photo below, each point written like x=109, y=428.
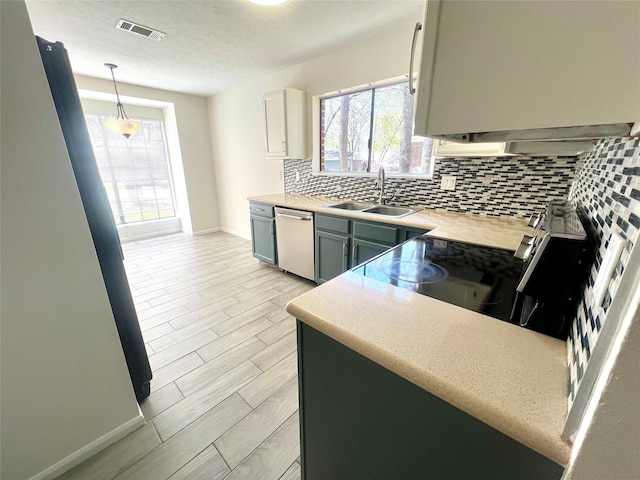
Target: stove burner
x=413, y=271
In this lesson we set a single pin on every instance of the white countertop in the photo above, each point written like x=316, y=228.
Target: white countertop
x=510, y=378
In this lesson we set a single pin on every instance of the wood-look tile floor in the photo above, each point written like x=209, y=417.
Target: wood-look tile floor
x=222, y=348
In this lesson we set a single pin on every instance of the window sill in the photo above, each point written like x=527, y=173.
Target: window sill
x=148, y=228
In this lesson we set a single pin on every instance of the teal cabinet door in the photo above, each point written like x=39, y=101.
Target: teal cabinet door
x=362, y=251
x=332, y=255
x=263, y=239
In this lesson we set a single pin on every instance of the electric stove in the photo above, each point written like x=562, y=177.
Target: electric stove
x=477, y=278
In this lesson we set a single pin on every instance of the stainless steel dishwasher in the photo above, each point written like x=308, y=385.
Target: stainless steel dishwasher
x=294, y=237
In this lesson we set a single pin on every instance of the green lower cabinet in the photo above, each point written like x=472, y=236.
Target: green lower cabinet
x=359, y=420
x=263, y=239
x=362, y=250
x=332, y=255
x=407, y=233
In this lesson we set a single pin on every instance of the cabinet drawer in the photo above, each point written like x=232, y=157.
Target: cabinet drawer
x=375, y=232
x=334, y=224
x=261, y=209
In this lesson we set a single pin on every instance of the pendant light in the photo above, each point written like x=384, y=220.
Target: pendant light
x=122, y=124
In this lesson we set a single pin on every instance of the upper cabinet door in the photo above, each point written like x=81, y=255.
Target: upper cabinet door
x=275, y=124
x=284, y=122
x=492, y=68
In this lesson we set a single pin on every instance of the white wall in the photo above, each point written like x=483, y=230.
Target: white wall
x=64, y=379
x=236, y=116
x=188, y=117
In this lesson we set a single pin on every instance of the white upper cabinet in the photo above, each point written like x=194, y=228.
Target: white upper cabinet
x=494, y=71
x=284, y=121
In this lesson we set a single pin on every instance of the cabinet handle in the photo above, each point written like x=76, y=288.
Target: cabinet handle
x=344, y=249
x=354, y=253
x=283, y=147
x=412, y=90
x=271, y=229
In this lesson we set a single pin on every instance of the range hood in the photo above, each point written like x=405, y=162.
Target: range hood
x=549, y=148
x=587, y=132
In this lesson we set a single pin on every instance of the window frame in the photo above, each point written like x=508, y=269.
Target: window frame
x=316, y=133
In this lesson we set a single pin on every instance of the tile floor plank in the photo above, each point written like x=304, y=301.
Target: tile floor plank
x=209, y=465
x=167, y=374
x=211, y=310
x=215, y=367
x=175, y=418
x=239, y=319
x=180, y=349
x=188, y=331
x=269, y=382
x=173, y=454
x=160, y=400
x=271, y=334
x=252, y=430
x=273, y=457
x=276, y=351
x=227, y=342
x=150, y=334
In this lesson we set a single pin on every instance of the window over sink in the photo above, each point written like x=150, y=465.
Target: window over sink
x=359, y=130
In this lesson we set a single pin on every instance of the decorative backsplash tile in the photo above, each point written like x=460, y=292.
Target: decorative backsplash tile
x=495, y=186
x=607, y=188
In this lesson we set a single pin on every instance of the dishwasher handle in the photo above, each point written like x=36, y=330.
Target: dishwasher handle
x=294, y=214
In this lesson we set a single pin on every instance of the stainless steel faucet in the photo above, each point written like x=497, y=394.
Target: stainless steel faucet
x=380, y=185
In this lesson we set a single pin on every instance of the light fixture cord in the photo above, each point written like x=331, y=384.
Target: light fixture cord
x=119, y=105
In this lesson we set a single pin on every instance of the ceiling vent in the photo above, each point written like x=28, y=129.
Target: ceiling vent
x=140, y=30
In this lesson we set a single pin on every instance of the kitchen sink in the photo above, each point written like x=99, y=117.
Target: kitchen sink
x=385, y=210
x=351, y=205
x=389, y=211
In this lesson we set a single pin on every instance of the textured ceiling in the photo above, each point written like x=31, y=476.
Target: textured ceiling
x=209, y=45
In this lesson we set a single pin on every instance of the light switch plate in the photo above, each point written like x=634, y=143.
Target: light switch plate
x=448, y=182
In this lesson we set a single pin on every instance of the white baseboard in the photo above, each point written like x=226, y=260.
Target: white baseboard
x=237, y=234
x=90, y=449
x=204, y=232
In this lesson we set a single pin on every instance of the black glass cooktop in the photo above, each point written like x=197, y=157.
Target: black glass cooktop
x=476, y=278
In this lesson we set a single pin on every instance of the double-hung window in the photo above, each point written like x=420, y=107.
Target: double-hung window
x=369, y=128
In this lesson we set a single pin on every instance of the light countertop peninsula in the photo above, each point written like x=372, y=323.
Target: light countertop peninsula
x=510, y=378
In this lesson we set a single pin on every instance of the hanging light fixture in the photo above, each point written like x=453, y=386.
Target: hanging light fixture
x=122, y=124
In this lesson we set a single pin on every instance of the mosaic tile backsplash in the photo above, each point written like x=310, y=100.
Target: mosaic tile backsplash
x=493, y=186
x=607, y=187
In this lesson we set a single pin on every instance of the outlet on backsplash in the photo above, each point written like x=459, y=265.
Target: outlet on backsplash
x=448, y=182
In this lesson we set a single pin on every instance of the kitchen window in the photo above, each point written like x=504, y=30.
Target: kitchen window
x=368, y=128
x=135, y=171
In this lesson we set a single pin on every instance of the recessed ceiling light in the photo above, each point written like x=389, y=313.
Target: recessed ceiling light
x=268, y=2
